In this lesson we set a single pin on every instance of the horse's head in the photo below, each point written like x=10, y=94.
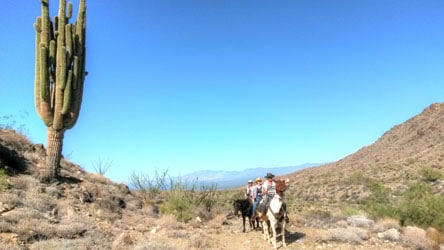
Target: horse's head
x=281, y=186
x=237, y=206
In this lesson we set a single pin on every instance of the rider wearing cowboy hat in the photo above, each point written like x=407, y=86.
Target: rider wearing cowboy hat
x=258, y=192
x=269, y=186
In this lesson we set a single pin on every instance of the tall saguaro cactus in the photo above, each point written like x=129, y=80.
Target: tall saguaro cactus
x=59, y=76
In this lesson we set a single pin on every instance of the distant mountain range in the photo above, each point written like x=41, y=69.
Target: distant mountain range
x=234, y=179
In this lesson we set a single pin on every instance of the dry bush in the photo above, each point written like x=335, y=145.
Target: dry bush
x=53, y=191
x=217, y=221
x=124, y=241
x=92, y=189
x=416, y=238
x=23, y=182
x=350, y=234
x=106, y=214
x=21, y=215
x=175, y=234
x=34, y=230
x=319, y=217
x=160, y=245
x=90, y=241
x=360, y=221
x=390, y=234
x=9, y=244
x=12, y=199
x=80, y=244
x=134, y=205
x=41, y=202
x=169, y=222
x=112, y=203
x=151, y=208
x=199, y=241
x=39, y=229
x=435, y=236
x=385, y=224
x=71, y=230
x=204, y=213
x=97, y=178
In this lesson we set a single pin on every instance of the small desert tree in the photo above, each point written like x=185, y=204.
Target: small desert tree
x=59, y=76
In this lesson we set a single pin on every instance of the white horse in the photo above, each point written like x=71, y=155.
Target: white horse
x=276, y=215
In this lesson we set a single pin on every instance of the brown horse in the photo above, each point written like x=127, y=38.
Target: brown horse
x=275, y=214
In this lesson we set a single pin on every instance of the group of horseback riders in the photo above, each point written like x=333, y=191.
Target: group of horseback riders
x=261, y=193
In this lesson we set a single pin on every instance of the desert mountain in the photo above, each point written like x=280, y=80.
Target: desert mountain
x=395, y=159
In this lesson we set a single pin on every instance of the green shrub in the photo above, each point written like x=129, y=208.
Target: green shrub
x=379, y=204
x=185, y=199
x=430, y=174
x=356, y=178
x=422, y=208
x=181, y=208
x=349, y=210
x=3, y=179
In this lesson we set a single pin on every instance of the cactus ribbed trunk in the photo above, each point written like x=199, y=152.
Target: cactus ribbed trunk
x=59, y=76
x=53, y=152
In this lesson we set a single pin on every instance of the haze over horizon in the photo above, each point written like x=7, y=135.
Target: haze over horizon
x=232, y=85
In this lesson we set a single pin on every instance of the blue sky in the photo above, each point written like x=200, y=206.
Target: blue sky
x=229, y=85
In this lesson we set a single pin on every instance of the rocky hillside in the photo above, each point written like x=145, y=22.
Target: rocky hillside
x=396, y=159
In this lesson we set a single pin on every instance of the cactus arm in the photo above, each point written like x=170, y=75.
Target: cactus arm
x=44, y=95
x=69, y=14
x=45, y=23
x=67, y=94
x=68, y=37
x=38, y=30
x=52, y=51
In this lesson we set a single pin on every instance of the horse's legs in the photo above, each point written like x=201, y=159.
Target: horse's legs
x=273, y=239
x=243, y=223
x=265, y=228
x=283, y=233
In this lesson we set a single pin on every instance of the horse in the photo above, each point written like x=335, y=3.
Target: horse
x=275, y=214
x=243, y=207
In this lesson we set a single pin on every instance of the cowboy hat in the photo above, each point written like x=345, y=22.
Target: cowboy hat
x=269, y=175
x=258, y=179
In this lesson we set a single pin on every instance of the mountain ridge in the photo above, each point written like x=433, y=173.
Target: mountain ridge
x=233, y=179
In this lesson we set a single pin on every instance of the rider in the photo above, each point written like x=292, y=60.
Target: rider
x=249, y=191
x=269, y=187
x=258, y=191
